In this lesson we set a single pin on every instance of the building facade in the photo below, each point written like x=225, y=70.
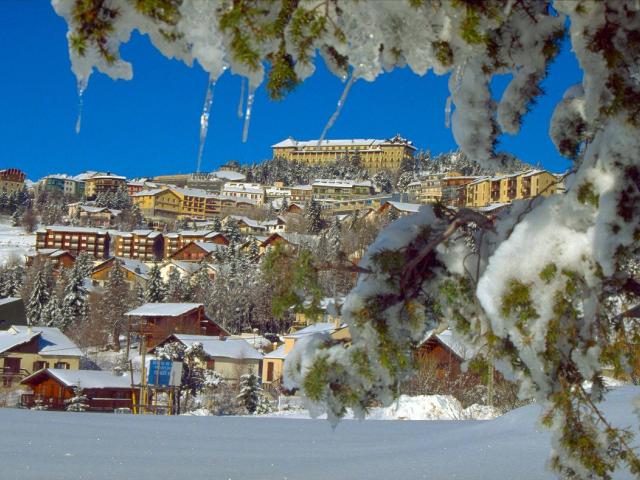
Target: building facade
x=74, y=239
x=374, y=154
x=11, y=180
x=103, y=183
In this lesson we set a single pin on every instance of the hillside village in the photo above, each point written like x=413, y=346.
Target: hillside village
x=220, y=274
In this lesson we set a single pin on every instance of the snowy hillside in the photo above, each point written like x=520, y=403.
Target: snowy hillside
x=57, y=446
x=14, y=241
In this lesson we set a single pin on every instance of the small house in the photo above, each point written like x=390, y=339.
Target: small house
x=24, y=350
x=53, y=387
x=230, y=357
x=443, y=352
x=159, y=320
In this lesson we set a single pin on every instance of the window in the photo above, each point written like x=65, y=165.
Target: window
x=39, y=365
x=63, y=365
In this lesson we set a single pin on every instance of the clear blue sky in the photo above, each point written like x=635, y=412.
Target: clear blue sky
x=150, y=125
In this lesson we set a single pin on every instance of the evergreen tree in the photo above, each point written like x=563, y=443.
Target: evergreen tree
x=52, y=314
x=77, y=403
x=155, y=291
x=333, y=239
x=249, y=392
x=254, y=250
x=176, y=287
x=116, y=301
x=201, y=286
x=74, y=306
x=313, y=217
x=39, y=298
x=232, y=232
x=216, y=224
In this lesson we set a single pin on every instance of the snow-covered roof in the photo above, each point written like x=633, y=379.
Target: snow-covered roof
x=150, y=192
x=89, y=379
x=146, y=233
x=189, y=267
x=228, y=175
x=210, y=247
x=236, y=348
x=163, y=309
x=62, y=228
x=301, y=187
x=115, y=177
x=365, y=142
x=321, y=327
x=456, y=346
x=6, y=300
x=243, y=189
x=336, y=182
x=277, y=353
x=52, y=341
x=405, y=207
x=134, y=266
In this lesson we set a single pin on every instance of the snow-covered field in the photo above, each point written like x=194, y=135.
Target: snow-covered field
x=14, y=241
x=68, y=446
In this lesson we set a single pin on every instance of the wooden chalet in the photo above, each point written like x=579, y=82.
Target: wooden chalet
x=444, y=353
x=135, y=271
x=57, y=257
x=291, y=240
x=156, y=321
x=176, y=240
x=196, y=251
x=53, y=387
x=401, y=209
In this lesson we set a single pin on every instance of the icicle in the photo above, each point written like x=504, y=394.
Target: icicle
x=336, y=114
x=241, y=102
x=204, y=118
x=247, y=115
x=82, y=86
x=447, y=112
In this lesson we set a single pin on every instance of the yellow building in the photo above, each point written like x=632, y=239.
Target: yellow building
x=504, y=189
x=25, y=350
x=11, y=180
x=374, y=154
x=103, y=183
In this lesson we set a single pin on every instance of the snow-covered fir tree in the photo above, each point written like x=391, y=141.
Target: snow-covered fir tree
x=116, y=302
x=249, y=392
x=51, y=315
x=177, y=288
x=40, y=295
x=313, y=217
x=74, y=306
x=155, y=291
x=79, y=401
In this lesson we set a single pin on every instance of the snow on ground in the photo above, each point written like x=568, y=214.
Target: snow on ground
x=14, y=241
x=70, y=446
x=420, y=407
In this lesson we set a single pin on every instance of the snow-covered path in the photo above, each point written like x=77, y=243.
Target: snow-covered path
x=14, y=241
x=66, y=446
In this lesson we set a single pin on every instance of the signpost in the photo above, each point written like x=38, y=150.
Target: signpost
x=164, y=373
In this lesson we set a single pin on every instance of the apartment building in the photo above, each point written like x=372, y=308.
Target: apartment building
x=374, y=154
x=143, y=245
x=338, y=189
x=74, y=239
x=103, y=183
x=301, y=193
x=244, y=191
x=507, y=188
x=11, y=180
